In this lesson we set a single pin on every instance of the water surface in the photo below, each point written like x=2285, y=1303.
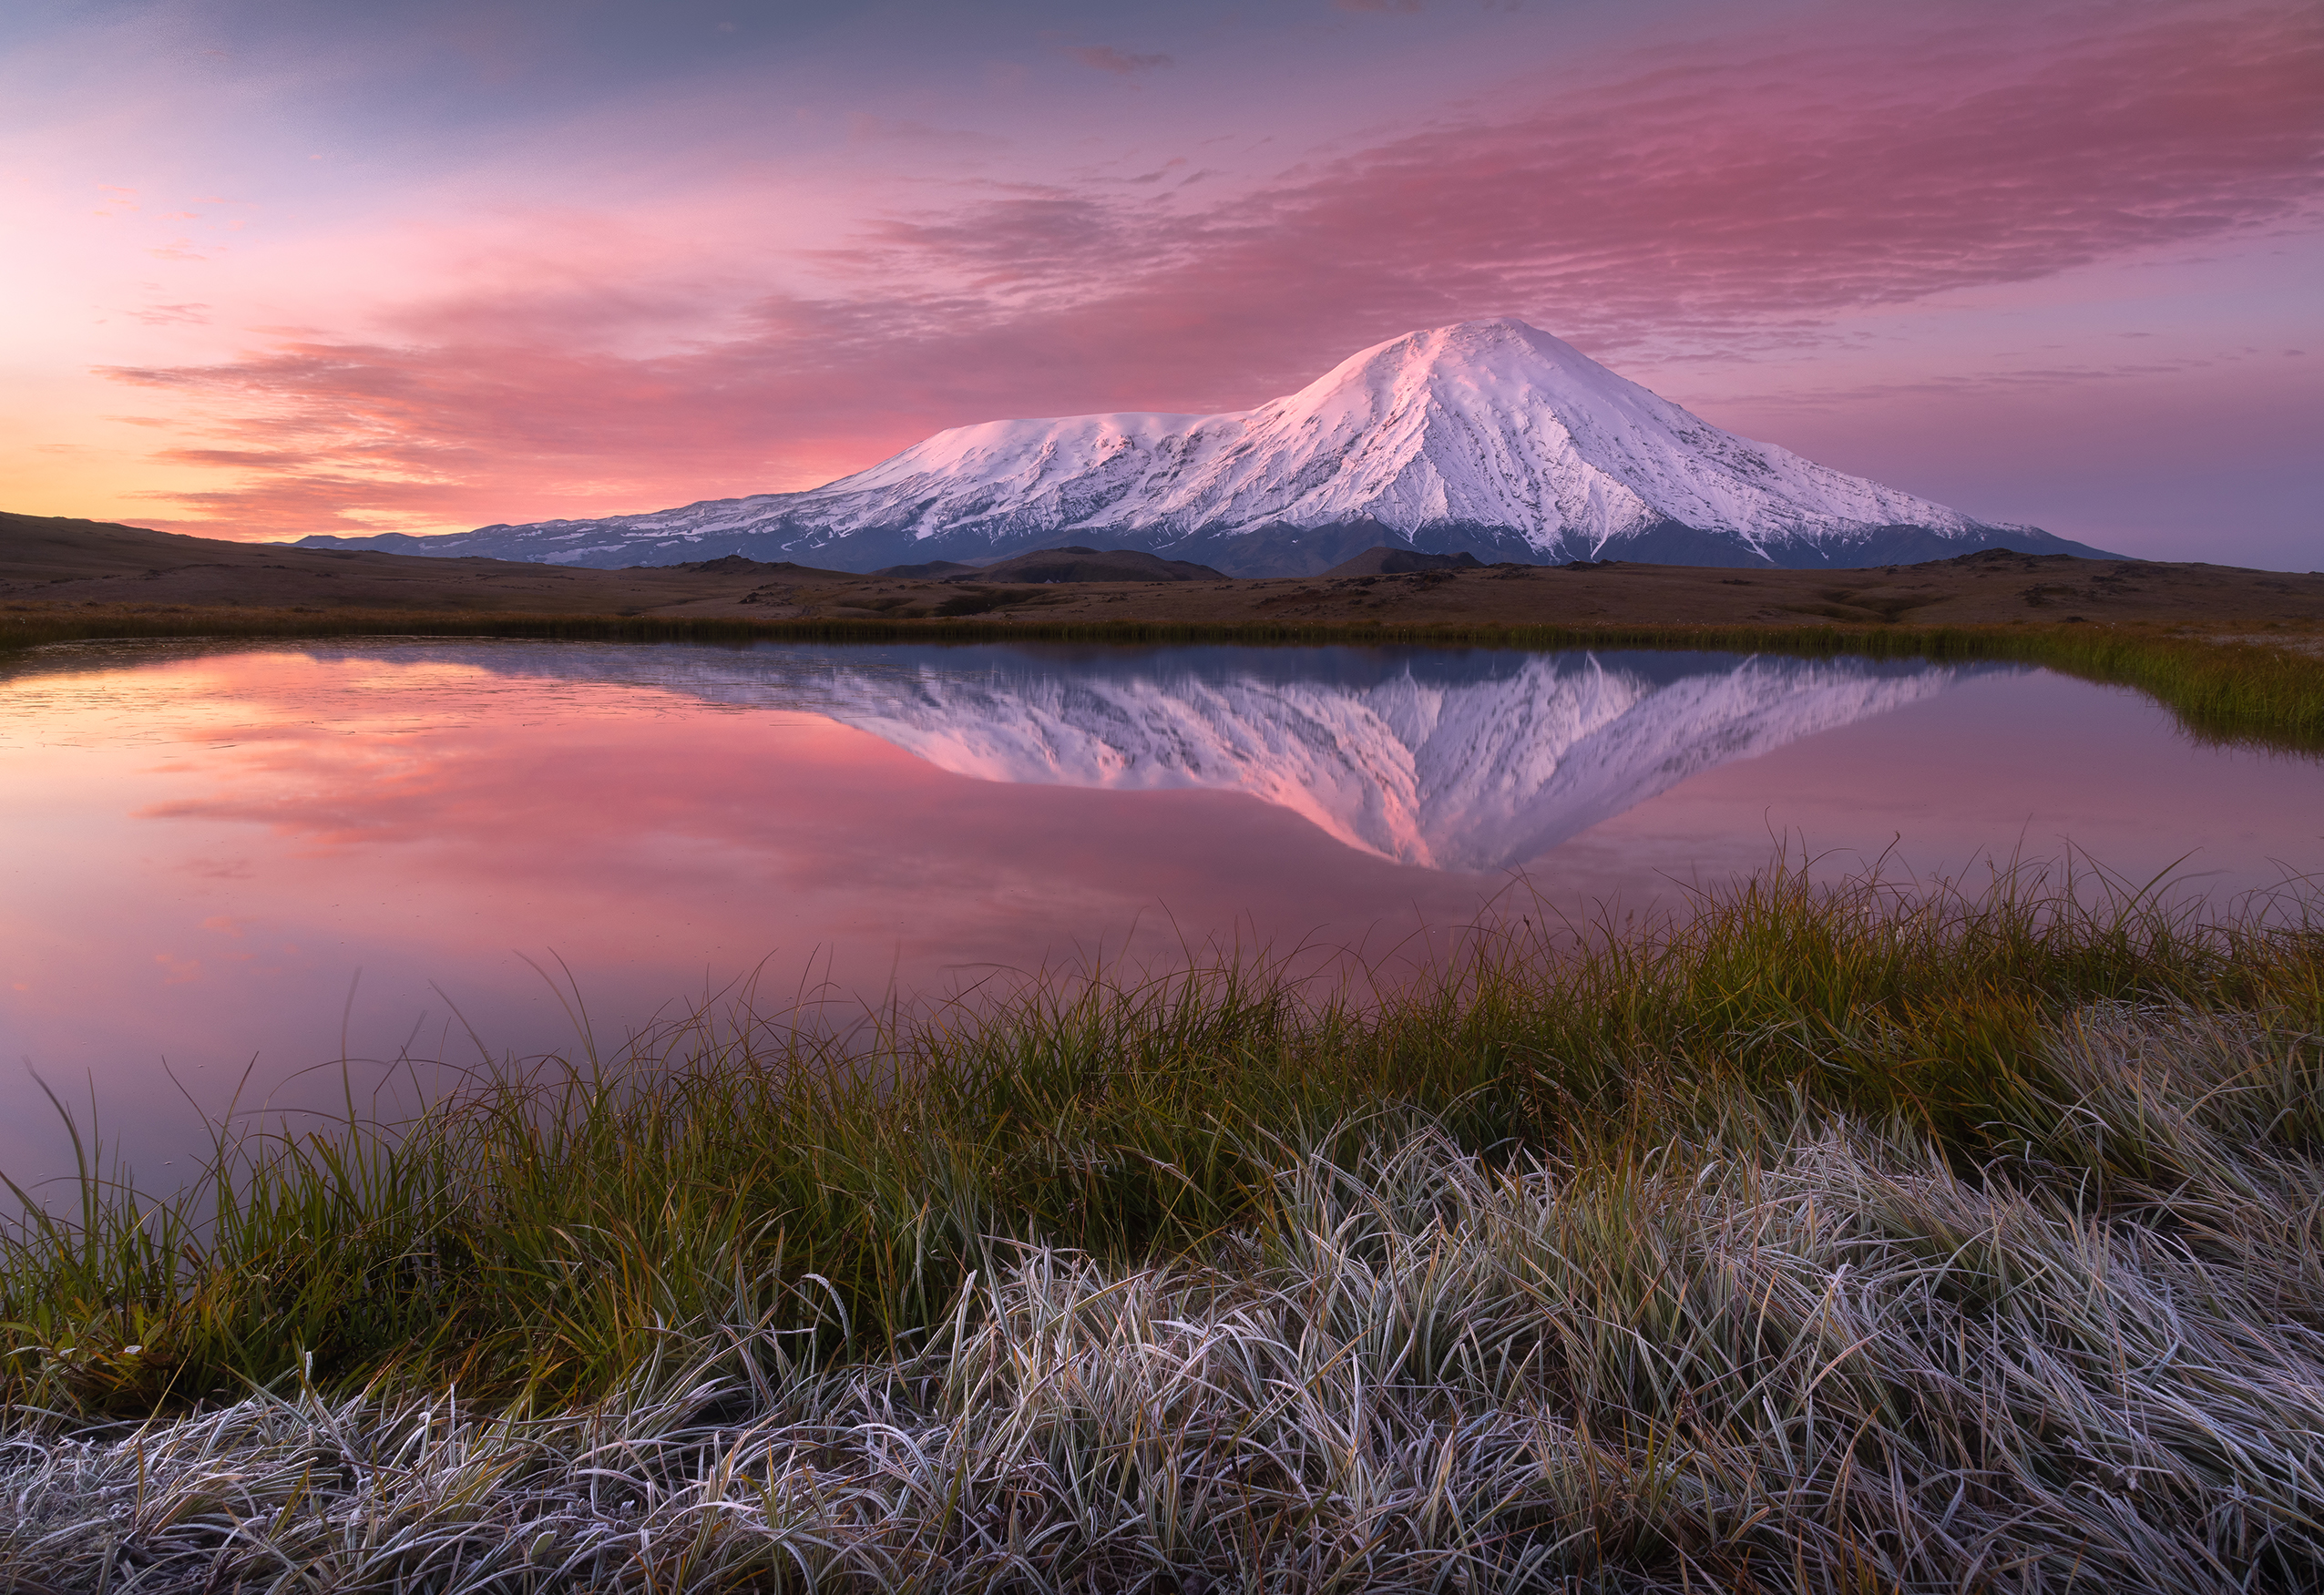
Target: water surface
x=219, y=854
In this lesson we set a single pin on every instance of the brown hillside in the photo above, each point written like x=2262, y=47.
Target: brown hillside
x=53, y=570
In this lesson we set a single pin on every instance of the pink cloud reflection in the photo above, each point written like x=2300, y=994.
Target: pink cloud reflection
x=358, y=785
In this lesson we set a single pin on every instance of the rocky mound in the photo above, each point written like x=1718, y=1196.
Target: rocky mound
x=1078, y=564
x=1386, y=561
x=738, y=564
x=932, y=569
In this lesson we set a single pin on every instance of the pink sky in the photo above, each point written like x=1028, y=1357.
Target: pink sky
x=438, y=265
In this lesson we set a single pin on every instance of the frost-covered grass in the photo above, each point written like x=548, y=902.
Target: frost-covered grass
x=1802, y=1352
x=1832, y=1239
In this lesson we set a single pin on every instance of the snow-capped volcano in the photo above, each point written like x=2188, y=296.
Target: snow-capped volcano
x=1487, y=436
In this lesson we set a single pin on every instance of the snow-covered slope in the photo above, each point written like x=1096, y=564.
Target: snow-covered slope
x=1491, y=437
x=1468, y=761
x=1486, y=424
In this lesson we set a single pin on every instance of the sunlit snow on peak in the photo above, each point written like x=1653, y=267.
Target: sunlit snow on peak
x=1489, y=432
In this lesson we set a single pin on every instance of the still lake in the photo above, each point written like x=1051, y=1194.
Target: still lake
x=222, y=857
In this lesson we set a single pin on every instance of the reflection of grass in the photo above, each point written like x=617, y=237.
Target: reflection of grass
x=1826, y=1239
x=2237, y=690
x=2233, y=689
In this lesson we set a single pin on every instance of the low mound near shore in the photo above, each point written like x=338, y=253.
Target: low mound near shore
x=1078, y=564
x=1386, y=561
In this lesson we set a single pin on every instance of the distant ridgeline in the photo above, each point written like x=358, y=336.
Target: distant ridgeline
x=1487, y=438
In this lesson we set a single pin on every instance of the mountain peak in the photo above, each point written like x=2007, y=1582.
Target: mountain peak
x=1468, y=343
x=1491, y=358
x=1475, y=385
x=1487, y=436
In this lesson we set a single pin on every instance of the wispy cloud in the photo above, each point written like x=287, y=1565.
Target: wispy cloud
x=1106, y=59
x=866, y=129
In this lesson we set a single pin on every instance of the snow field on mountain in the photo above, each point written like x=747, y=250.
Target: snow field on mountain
x=1490, y=428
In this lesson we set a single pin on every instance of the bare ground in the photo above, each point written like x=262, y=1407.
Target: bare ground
x=50, y=569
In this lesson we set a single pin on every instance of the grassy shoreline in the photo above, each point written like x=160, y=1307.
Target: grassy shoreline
x=2232, y=688
x=1829, y=1238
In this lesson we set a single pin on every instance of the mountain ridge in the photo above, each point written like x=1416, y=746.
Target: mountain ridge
x=1489, y=438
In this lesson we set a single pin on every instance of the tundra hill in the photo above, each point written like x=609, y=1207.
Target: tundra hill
x=50, y=562
x=70, y=577
x=1078, y=564
x=1388, y=561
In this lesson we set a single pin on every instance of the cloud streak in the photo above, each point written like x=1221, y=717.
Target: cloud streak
x=1106, y=59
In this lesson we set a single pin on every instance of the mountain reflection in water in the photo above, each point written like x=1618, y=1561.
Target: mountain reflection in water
x=1472, y=760
x=375, y=847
